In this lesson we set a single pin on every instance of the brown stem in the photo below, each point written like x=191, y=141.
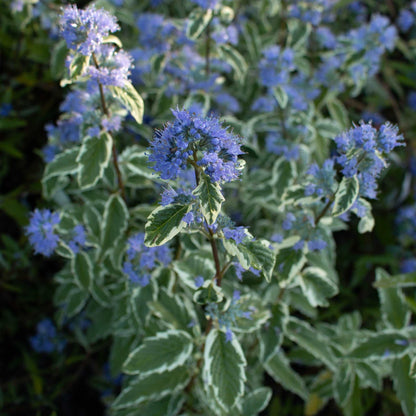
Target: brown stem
x=114, y=150
x=324, y=210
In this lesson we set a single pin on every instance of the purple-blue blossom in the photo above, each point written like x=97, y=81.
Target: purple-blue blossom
x=114, y=67
x=405, y=20
x=141, y=260
x=41, y=231
x=206, y=4
x=79, y=238
x=190, y=134
x=85, y=30
x=47, y=339
x=361, y=152
x=238, y=234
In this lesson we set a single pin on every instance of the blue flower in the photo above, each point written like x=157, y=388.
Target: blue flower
x=405, y=20
x=79, y=238
x=84, y=30
x=41, y=231
x=190, y=134
x=46, y=339
x=114, y=67
x=141, y=260
x=237, y=234
x=199, y=281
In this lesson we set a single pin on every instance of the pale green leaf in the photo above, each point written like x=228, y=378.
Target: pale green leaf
x=393, y=304
x=311, y=340
x=131, y=99
x=404, y=385
x=151, y=387
x=235, y=59
x=343, y=383
x=93, y=158
x=223, y=368
x=114, y=222
x=387, y=344
x=163, y=352
x=82, y=269
x=164, y=223
x=281, y=96
x=256, y=401
x=317, y=286
x=197, y=22
x=64, y=163
x=289, y=263
x=210, y=198
x=345, y=195
x=278, y=367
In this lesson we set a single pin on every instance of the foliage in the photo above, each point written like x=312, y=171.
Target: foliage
x=199, y=254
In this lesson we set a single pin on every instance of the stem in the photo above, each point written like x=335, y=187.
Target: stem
x=114, y=150
x=214, y=248
x=324, y=210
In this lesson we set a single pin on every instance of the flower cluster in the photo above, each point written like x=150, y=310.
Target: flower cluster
x=41, y=231
x=47, y=339
x=85, y=30
x=141, y=260
x=361, y=151
x=200, y=141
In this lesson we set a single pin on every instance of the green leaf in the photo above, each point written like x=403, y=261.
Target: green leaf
x=223, y=368
x=192, y=266
x=152, y=387
x=75, y=301
x=385, y=344
x=343, y=383
x=131, y=99
x=386, y=281
x=235, y=59
x=82, y=269
x=197, y=22
x=404, y=385
x=317, y=286
x=164, y=223
x=113, y=39
x=210, y=198
x=345, y=195
x=339, y=113
x=283, y=173
x=63, y=164
x=58, y=58
x=209, y=292
x=256, y=401
x=393, y=304
x=281, y=97
x=93, y=158
x=120, y=349
x=114, y=222
x=366, y=223
x=271, y=336
x=261, y=256
x=278, y=367
x=289, y=264
x=369, y=374
x=254, y=253
x=163, y=352
x=298, y=33
x=77, y=67
x=173, y=309
x=311, y=340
